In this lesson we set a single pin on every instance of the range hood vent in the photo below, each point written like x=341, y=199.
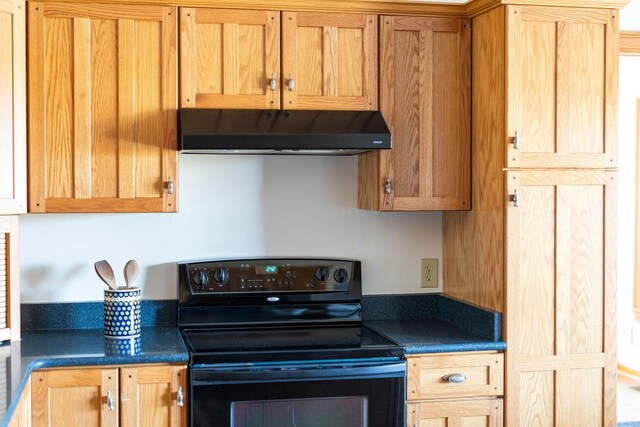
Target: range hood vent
x=211, y=131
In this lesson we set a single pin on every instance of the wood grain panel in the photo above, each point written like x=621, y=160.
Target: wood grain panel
x=537, y=398
x=227, y=58
x=105, y=86
x=587, y=268
x=81, y=108
x=559, y=59
x=332, y=59
x=308, y=76
x=579, y=397
x=484, y=372
x=36, y=117
x=532, y=86
x=104, y=108
x=126, y=109
x=6, y=105
x=22, y=415
x=208, y=69
x=464, y=413
x=350, y=53
x=576, y=310
x=13, y=161
x=429, y=121
x=149, y=395
x=473, y=242
x=536, y=276
x=581, y=78
x=59, y=107
x=149, y=118
x=74, y=397
x=629, y=42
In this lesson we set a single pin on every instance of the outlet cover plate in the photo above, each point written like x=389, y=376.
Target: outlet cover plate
x=429, y=273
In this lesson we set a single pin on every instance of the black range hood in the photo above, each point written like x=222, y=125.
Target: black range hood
x=212, y=131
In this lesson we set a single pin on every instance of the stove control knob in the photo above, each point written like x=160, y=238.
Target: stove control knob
x=221, y=276
x=340, y=275
x=201, y=279
x=321, y=274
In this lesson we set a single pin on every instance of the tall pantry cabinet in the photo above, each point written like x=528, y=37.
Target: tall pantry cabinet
x=13, y=163
x=539, y=244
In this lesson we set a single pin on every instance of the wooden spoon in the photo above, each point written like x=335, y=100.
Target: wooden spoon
x=131, y=271
x=105, y=273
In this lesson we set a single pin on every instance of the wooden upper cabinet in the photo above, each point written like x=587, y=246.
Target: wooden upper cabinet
x=425, y=85
x=329, y=61
x=102, y=108
x=228, y=58
x=562, y=87
x=13, y=141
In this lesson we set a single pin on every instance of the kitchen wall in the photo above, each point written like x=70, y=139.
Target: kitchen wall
x=628, y=327
x=231, y=206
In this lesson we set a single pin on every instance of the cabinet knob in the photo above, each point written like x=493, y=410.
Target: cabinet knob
x=454, y=378
x=110, y=406
x=291, y=83
x=516, y=141
x=273, y=84
x=388, y=186
x=180, y=397
x=170, y=186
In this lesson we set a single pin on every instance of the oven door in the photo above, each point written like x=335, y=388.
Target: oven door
x=329, y=393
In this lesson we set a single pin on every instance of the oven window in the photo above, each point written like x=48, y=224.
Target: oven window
x=348, y=411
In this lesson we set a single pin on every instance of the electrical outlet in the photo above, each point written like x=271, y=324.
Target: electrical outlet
x=429, y=273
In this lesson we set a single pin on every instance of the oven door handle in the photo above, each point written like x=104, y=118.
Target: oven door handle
x=213, y=375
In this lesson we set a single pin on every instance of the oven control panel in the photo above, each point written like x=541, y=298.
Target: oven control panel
x=270, y=275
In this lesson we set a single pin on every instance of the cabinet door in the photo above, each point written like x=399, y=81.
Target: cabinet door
x=22, y=415
x=329, y=61
x=560, y=298
x=562, y=87
x=467, y=413
x=13, y=141
x=9, y=278
x=228, y=58
x=153, y=396
x=75, y=397
x=425, y=98
x=102, y=108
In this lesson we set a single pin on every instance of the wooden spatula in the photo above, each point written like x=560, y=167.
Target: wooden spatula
x=105, y=273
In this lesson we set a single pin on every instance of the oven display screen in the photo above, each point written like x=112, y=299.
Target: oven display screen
x=267, y=269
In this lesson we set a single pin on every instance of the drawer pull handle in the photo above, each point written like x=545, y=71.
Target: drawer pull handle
x=455, y=378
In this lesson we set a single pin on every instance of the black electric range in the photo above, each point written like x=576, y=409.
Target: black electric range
x=278, y=336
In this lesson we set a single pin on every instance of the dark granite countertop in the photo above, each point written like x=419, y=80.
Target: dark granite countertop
x=422, y=323
x=78, y=347
x=432, y=336
x=433, y=323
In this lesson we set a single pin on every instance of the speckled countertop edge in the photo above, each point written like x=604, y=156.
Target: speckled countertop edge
x=163, y=345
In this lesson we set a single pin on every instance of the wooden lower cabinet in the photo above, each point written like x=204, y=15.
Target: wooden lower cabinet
x=455, y=413
x=455, y=389
x=110, y=396
x=22, y=415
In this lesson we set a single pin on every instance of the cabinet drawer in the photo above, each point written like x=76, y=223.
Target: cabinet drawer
x=476, y=412
x=482, y=375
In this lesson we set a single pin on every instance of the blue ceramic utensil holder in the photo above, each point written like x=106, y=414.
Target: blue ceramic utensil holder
x=122, y=313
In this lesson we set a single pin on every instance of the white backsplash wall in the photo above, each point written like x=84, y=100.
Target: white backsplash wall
x=231, y=206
